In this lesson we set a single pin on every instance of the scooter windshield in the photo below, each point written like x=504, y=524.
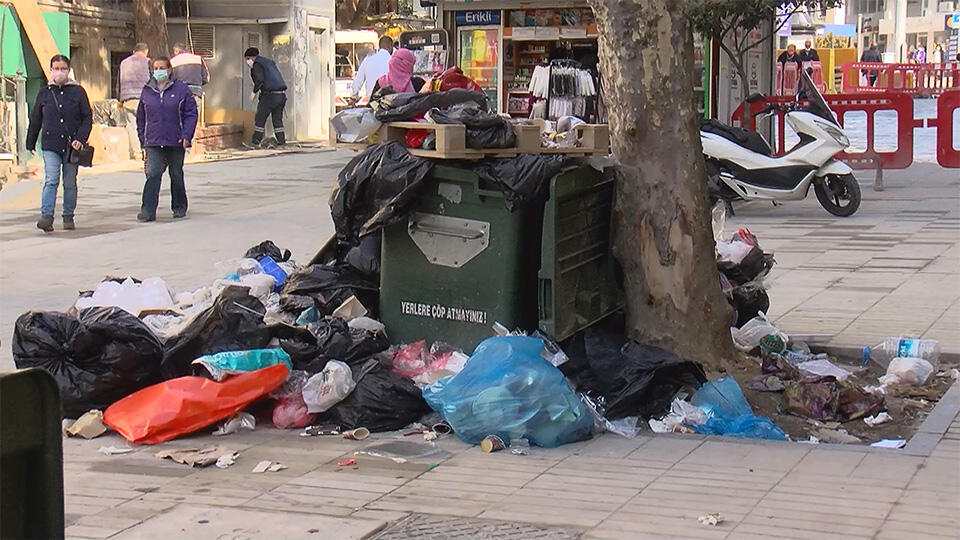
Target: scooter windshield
x=815, y=102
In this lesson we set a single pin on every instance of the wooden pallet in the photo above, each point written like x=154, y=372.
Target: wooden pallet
x=451, y=142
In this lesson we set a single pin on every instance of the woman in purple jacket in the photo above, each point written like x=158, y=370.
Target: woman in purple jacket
x=166, y=120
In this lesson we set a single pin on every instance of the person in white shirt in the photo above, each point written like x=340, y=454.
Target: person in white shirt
x=372, y=68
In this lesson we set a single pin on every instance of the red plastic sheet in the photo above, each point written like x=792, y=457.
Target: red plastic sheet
x=180, y=406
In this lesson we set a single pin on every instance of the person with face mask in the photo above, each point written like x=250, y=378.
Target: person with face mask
x=808, y=54
x=166, y=121
x=62, y=113
x=269, y=84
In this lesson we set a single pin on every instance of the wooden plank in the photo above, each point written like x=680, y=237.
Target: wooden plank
x=37, y=32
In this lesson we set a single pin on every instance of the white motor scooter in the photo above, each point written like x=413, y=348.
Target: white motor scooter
x=740, y=165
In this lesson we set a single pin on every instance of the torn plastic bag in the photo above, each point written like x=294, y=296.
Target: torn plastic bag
x=298, y=342
x=181, y=406
x=222, y=365
x=96, y=356
x=365, y=257
x=337, y=341
x=354, y=125
x=408, y=106
x=633, y=379
x=233, y=323
x=523, y=179
x=483, y=129
x=749, y=299
x=329, y=387
x=756, y=264
x=749, y=336
x=376, y=188
x=267, y=249
x=728, y=413
x=381, y=401
x=329, y=287
x=150, y=295
x=823, y=398
x=508, y=390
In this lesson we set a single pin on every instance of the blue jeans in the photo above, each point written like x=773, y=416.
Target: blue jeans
x=159, y=159
x=53, y=164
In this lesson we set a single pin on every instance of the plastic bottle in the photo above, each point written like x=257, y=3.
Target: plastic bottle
x=901, y=347
x=271, y=268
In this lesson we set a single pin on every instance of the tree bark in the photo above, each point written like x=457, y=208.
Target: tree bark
x=150, y=26
x=662, y=235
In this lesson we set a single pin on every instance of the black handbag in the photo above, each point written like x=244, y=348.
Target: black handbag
x=82, y=157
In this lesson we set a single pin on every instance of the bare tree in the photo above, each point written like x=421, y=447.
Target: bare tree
x=663, y=237
x=150, y=26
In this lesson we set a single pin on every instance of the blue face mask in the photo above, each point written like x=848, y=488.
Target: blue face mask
x=160, y=75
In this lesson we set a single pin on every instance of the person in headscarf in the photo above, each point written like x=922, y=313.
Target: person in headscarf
x=399, y=75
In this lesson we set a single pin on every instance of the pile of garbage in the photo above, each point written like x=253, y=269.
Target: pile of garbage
x=742, y=266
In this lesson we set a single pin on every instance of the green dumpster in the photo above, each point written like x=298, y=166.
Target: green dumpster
x=461, y=262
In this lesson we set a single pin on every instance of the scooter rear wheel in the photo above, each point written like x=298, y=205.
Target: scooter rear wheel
x=838, y=194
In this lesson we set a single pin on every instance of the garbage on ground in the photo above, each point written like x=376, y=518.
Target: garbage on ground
x=235, y=423
x=350, y=309
x=902, y=347
x=728, y=412
x=329, y=387
x=742, y=265
x=683, y=417
x=381, y=401
x=508, y=390
x=268, y=249
x=227, y=460
x=180, y=406
x=355, y=125
x=712, y=519
x=358, y=434
x=196, y=457
x=824, y=368
x=747, y=337
x=291, y=412
x=400, y=107
x=826, y=399
x=88, y=426
x=837, y=436
x=96, y=357
x=890, y=443
x=221, y=365
x=404, y=451
x=907, y=371
x=347, y=463
x=484, y=129
x=881, y=418
x=135, y=298
x=114, y=450
x=424, y=366
x=519, y=447
x=326, y=288
x=492, y=443
x=271, y=466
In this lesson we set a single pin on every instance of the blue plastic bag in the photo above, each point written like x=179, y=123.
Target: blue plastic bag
x=507, y=389
x=223, y=364
x=728, y=413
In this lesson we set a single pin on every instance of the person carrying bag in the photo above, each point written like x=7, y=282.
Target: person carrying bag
x=62, y=113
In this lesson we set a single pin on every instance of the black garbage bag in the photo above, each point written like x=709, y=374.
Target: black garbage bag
x=406, y=106
x=98, y=356
x=748, y=299
x=328, y=286
x=298, y=342
x=365, y=257
x=633, y=379
x=233, y=323
x=337, y=341
x=268, y=249
x=382, y=400
x=755, y=265
x=483, y=129
x=377, y=188
x=523, y=179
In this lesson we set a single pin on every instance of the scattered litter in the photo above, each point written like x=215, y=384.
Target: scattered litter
x=321, y=431
x=682, y=417
x=748, y=336
x=227, y=460
x=151, y=295
x=881, y=418
x=728, y=413
x=358, y=434
x=329, y=387
x=347, y=463
x=261, y=467
x=837, y=436
x=114, y=450
x=277, y=466
x=406, y=451
x=811, y=440
x=492, y=443
x=196, y=457
x=237, y=422
x=430, y=436
x=520, y=447
x=890, y=443
x=713, y=519
x=907, y=371
x=368, y=324
x=350, y=309
x=824, y=368
x=223, y=364
x=88, y=426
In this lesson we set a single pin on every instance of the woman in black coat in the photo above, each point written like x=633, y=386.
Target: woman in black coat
x=62, y=114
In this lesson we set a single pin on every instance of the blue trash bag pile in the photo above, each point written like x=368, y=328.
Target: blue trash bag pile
x=507, y=389
x=728, y=413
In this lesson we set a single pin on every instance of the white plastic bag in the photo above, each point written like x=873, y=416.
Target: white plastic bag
x=329, y=387
x=908, y=371
x=733, y=251
x=151, y=294
x=824, y=368
x=355, y=125
x=748, y=337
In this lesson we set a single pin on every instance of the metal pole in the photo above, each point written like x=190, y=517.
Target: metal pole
x=21, y=93
x=900, y=30
x=859, y=36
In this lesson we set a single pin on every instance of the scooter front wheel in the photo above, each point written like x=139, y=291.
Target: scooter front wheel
x=839, y=194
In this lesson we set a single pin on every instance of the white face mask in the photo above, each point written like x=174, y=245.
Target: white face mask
x=249, y=62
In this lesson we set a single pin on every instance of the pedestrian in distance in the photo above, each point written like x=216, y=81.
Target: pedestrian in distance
x=62, y=114
x=166, y=121
x=372, y=68
x=808, y=54
x=871, y=55
x=399, y=76
x=790, y=55
x=134, y=75
x=268, y=83
x=190, y=69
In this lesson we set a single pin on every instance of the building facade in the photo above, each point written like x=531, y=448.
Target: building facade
x=924, y=23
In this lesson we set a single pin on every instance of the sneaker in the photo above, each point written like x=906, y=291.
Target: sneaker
x=143, y=218
x=177, y=214
x=68, y=224
x=45, y=223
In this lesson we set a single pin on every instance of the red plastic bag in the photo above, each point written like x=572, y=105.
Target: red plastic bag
x=415, y=137
x=291, y=412
x=453, y=77
x=180, y=406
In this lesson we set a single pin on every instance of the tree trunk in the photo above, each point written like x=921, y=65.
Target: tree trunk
x=150, y=26
x=662, y=236
x=744, y=93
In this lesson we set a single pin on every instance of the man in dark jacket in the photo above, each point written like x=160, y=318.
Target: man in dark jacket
x=268, y=82
x=62, y=113
x=166, y=121
x=134, y=74
x=871, y=55
x=808, y=54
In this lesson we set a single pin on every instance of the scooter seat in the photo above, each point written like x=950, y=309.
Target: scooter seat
x=751, y=140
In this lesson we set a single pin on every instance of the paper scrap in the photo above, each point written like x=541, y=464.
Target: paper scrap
x=890, y=443
x=88, y=426
x=261, y=467
x=277, y=466
x=227, y=460
x=113, y=450
x=195, y=457
x=713, y=519
x=881, y=418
